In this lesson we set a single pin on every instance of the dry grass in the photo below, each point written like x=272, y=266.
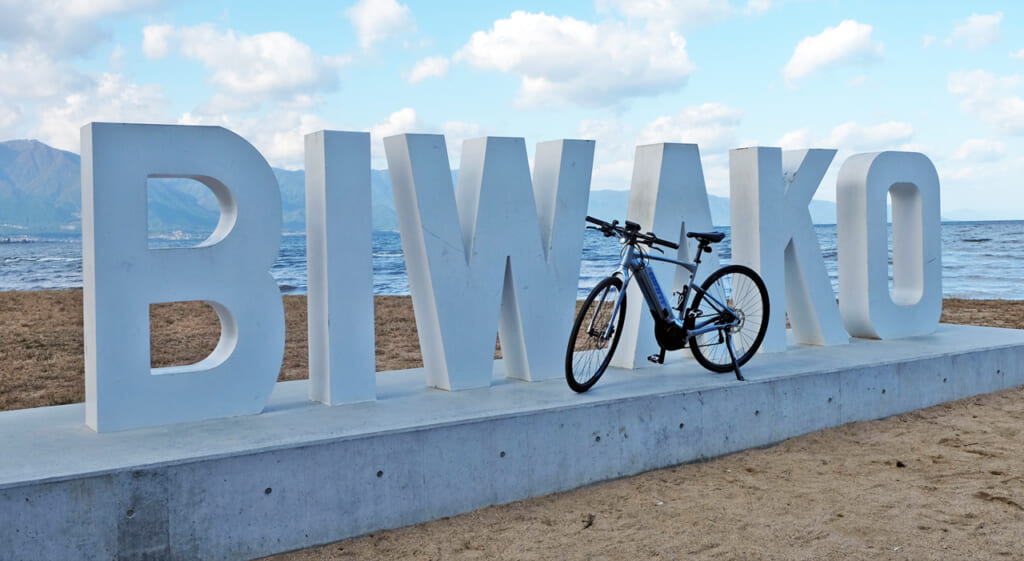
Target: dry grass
x=42, y=353
x=41, y=349
x=993, y=313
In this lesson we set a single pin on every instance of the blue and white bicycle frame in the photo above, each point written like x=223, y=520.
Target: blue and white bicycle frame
x=633, y=265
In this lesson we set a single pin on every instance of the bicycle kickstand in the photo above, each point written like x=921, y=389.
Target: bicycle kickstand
x=732, y=355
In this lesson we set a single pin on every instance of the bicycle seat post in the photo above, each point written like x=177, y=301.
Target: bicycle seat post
x=702, y=246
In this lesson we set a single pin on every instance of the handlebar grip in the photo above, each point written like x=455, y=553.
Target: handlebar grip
x=666, y=243
x=656, y=240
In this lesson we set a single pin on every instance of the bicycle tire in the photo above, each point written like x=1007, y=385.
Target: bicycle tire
x=588, y=353
x=742, y=290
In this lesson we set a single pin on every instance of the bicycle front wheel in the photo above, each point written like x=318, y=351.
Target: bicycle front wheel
x=743, y=291
x=591, y=343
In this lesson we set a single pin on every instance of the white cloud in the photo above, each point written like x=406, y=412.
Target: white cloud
x=42, y=93
x=457, y=132
x=156, y=40
x=9, y=117
x=94, y=9
x=927, y=41
x=991, y=98
x=613, y=152
x=978, y=31
x=376, y=20
x=110, y=98
x=663, y=14
x=406, y=120
x=63, y=28
x=279, y=135
x=430, y=67
x=849, y=42
x=795, y=140
x=674, y=12
x=851, y=136
x=981, y=150
x=1019, y=55
x=272, y=64
x=402, y=121
x=116, y=58
x=613, y=138
x=567, y=60
x=28, y=73
x=848, y=139
x=712, y=126
x=970, y=186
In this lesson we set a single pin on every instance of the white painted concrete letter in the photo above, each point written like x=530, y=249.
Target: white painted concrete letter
x=667, y=188
x=495, y=244
x=772, y=232
x=915, y=304
x=230, y=271
x=339, y=259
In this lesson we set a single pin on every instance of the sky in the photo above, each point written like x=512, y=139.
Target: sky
x=944, y=78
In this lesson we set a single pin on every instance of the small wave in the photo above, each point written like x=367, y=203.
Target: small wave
x=179, y=235
x=976, y=240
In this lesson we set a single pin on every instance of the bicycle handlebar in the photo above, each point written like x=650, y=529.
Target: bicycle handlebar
x=631, y=231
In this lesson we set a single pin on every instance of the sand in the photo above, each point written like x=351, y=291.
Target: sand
x=941, y=483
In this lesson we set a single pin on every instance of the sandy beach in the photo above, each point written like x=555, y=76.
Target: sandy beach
x=941, y=483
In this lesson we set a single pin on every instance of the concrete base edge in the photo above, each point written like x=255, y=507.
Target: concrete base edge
x=303, y=474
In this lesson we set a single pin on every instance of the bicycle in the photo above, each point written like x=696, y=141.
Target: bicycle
x=723, y=325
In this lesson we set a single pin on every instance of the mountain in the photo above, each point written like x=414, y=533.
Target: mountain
x=40, y=192
x=39, y=187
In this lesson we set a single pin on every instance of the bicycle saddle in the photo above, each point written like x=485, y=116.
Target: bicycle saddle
x=706, y=237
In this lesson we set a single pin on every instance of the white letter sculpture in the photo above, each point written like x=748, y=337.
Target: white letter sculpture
x=230, y=271
x=339, y=257
x=667, y=189
x=495, y=244
x=915, y=305
x=772, y=232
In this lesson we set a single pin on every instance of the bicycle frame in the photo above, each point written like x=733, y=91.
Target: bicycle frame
x=633, y=264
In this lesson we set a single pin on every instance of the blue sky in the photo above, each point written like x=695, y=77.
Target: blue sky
x=944, y=78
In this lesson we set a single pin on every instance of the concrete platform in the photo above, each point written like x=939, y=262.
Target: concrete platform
x=302, y=474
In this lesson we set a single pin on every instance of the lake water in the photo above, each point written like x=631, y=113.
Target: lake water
x=979, y=260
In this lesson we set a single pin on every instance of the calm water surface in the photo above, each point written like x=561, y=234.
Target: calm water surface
x=979, y=260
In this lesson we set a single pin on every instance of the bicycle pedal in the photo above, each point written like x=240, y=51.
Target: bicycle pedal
x=658, y=358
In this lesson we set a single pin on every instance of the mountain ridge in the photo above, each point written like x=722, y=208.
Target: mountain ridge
x=40, y=193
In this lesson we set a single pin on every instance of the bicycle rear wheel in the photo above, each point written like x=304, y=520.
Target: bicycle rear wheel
x=590, y=344
x=744, y=292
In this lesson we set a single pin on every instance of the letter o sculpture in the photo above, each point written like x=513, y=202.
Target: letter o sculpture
x=915, y=304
